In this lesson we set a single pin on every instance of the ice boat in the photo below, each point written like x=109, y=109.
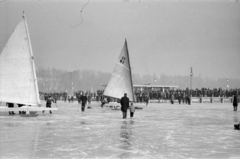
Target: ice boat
x=18, y=81
x=121, y=79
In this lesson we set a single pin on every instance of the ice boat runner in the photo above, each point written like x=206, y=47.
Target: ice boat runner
x=18, y=81
x=121, y=79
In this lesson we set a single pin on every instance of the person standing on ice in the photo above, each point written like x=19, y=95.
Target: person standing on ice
x=147, y=99
x=235, y=102
x=132, y=110
x=172, y=98
x=124, y=105
x=84, y=101
x=49, y=103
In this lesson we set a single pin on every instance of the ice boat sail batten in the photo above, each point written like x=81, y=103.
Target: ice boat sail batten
x=121, y=80
x=32, y=62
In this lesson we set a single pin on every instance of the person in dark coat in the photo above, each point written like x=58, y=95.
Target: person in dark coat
x=49, y=103
x=172, y=98
x=124, y=105
x=235, y=102
x=179, y=98
x=10, y=105
x=188, y=100
x=83, y=98
x=103, y=101
x=147, y=99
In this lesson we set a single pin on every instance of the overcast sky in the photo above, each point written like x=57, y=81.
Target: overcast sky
x=164, y=36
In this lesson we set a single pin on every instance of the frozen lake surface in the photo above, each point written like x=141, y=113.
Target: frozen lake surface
x=158, y=131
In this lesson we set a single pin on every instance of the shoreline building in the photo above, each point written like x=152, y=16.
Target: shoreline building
x=149, y=87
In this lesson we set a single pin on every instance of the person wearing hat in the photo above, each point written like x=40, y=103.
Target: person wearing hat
x=124, y=105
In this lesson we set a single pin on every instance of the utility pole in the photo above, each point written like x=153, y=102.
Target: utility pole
x=227, y=83
x=72, y=83
x=191, y=74
x=154, y=78
x=71, y=78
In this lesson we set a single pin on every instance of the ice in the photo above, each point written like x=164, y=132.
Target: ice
x=156, y=131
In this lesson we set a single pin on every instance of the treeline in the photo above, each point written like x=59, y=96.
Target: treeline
x=56, y=80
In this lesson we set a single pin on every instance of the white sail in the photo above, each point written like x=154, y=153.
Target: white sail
x=18, y=83
x=121, y=79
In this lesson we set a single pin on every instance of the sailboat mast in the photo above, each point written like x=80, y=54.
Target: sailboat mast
x=130, y=70
x=32, y=61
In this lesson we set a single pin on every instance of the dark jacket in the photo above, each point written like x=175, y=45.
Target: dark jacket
x=49, y=102
x=235, y=100
x=83, y=99
x=124, y=103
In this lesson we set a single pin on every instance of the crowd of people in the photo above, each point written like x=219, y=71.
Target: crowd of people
x=83, y=97
x=143, y=96
x=64, y=96
x=181, y=95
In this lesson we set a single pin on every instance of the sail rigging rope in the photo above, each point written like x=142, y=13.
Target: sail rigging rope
x=29, y=91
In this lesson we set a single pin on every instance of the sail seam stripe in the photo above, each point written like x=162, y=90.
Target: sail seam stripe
x=15, y=73
x=117, y=76
x=123, y=66
x=15, y=59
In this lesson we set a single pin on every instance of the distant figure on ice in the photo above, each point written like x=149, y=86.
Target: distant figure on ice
x=84, y=101
x=172, y=98
x=48, y=104
x=179, y=97
x=103, y=101
x=70, y=98
x=132, y=110
x=184, y=98
x=235, y=102
x=78, y=98
x=188, y=100
x=124, y=105
x=89, y=98
x=147, y=99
